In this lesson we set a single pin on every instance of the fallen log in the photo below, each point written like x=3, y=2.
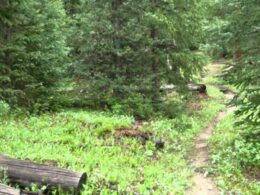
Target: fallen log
x=24, y=192
x=6, y=190
x=26, y=173
x=201, y=88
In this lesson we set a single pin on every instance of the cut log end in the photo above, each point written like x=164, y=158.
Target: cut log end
x=81, y=182
x=201, y=88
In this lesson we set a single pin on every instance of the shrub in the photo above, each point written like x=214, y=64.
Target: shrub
x=4, y=108
x=135, y=104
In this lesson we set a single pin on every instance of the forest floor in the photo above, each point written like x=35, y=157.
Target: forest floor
x=203, y=185
x=119, y=154
x=216, y=170
x=200, y=157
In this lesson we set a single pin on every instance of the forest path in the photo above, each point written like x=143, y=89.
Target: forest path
x=203, y=185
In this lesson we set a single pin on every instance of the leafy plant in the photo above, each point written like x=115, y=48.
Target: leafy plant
x=4, y=108
x=3, y=176
x=231, y=154
x=89, y=141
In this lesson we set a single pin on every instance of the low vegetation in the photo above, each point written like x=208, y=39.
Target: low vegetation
x=117, y=158
x=232, y=154
x=81, y=87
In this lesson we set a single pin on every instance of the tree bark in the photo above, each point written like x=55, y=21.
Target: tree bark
x=26, y=173
x=201, y=88
x=116, y=23
x=155, y=64
x=6, y=190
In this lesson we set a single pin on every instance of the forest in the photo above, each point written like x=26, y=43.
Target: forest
x=130, y=97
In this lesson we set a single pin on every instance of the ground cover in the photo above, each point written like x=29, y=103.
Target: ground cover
x=97, y=143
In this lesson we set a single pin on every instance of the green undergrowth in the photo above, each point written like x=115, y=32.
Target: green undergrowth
x=88, y=141
x=230, y=153
x=217, y=78
x=217, y=81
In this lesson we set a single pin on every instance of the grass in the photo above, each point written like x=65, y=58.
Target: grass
x=86, y=141
x=226, y=150
x=230, y=174
x=214, y=76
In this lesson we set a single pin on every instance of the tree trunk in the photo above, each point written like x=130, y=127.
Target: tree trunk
x=119, y=68
x=155, y=63
x=116, y=23
x=26, y=173
x=201, y=88
x=6, y=190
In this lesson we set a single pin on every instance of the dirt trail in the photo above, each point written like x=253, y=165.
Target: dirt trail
x=203, y=185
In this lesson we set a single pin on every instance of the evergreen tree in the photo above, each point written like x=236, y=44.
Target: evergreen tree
x=217, y=30
x=71, y=6
x=32, y=51
x=127, y=47
x=244, y=21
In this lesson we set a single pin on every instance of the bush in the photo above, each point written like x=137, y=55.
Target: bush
x=247, y=152
x=235, y=157
x=135, y=104
x=4, y=108
x=171, y=109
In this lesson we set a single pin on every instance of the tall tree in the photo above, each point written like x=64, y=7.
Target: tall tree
x=242, y=20
x=135, y=46
x=33, y=47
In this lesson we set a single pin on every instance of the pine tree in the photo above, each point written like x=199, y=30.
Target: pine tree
x=244, y=20
x=133, y=47
x=32, y=52
x=71, y=6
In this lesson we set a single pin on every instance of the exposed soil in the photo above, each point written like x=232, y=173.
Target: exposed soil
x=202, y=184
x=195, y=106
x=215, y=68
x=134, y=132
x=253, y=174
